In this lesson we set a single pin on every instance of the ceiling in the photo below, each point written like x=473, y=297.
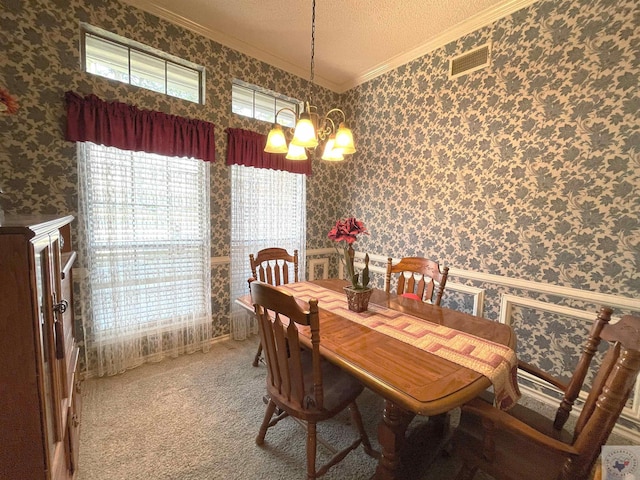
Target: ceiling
x=355, y=40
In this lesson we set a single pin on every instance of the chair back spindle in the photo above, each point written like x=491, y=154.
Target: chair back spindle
x=419, y=277
x=272, y=266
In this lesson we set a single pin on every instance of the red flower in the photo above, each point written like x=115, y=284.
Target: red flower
x=347, y=230
x=8, y=102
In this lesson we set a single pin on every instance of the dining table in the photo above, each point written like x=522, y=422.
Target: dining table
x=398, y=349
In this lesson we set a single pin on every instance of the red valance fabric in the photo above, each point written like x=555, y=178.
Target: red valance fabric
x=124, y=126
x=245, y=147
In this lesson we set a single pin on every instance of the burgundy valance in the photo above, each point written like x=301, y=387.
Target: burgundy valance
x=127, y=127
x=245, y=147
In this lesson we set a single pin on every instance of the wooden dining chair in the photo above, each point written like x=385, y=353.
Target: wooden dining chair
x=522, y=444
x=275, y=267
x=417, y=278
x=300, y=383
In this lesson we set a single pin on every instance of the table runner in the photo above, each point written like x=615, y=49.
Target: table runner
x=496, y=362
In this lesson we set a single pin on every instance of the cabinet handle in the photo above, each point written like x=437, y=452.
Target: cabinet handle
x=57, y=326
x=74, y=421
x=61, y=307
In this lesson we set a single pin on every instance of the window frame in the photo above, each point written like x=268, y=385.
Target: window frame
x=137, y=47
x=276, y=98
x=91, y=205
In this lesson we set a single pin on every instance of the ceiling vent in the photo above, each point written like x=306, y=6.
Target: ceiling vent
x=469, y=62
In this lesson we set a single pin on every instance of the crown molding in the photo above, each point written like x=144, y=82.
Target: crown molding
x=470, y=25
x=234, y=43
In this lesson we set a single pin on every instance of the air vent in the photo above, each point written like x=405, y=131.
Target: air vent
x=469, y=62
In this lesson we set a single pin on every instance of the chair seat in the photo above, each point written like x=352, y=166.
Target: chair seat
x=515, y=458
x=521, y=444
x=339, y=388
x=515, y=454
x=532, y=418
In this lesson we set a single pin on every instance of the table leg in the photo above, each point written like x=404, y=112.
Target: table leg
x=391, y=432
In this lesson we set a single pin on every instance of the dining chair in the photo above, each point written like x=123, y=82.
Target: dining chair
x=417, y=278
x=273, y=266
x=300, y=383
x=523, y=444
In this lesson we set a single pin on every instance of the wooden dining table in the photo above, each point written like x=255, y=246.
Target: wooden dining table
x=411, y=380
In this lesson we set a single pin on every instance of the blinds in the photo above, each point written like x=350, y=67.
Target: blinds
x=146, y=227
x=268, y=209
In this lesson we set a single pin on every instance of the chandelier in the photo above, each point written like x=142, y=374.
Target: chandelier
x=312, y=128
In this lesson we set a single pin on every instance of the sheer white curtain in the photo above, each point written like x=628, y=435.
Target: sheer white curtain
x=145, y=228
x=268, y=209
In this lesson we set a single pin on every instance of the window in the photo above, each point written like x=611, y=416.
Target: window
x=268, y=209
x=256, y=102
x=146, y=228
x=126, y=61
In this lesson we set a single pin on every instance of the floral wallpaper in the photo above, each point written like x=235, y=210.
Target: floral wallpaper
x=528, y=168
x=38, y=171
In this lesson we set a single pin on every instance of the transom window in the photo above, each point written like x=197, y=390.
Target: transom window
x=261, y=104
x=118, y=58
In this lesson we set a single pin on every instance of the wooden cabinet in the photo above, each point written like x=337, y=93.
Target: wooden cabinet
x=39, y=389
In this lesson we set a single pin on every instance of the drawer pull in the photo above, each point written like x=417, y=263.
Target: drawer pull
x=61, y=307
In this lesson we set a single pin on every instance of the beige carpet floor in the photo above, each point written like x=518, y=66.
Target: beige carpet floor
x=196, y=417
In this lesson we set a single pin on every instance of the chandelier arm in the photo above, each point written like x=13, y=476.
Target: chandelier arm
x=325, y=130
x=284, y=108
x=295, y=116
x=344, y=117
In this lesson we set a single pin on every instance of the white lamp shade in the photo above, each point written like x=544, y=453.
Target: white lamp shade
x=330, y=153
x=276, y=143
x=344, y=140
x=296, y=153
x=305, y=133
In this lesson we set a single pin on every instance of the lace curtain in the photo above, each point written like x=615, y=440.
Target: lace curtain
x=145, y=228
x=268, y=209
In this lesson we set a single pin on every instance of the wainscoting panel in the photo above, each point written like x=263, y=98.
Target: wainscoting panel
x=534, y=387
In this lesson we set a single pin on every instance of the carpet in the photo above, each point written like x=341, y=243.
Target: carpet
x=196, y=417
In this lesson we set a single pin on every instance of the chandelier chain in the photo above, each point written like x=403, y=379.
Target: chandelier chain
x=313, y=42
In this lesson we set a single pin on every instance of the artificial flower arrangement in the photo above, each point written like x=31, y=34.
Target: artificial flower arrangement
x=8, y=104
x=347, y=231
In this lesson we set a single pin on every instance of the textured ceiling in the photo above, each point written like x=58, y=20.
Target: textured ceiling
x=355, y=40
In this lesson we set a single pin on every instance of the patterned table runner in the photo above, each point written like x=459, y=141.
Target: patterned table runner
x=496, y=362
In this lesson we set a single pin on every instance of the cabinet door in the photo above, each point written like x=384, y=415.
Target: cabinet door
x=52, y=421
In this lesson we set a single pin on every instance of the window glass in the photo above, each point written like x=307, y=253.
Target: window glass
x=147, y=220
x=147, y=72
x=242, y=101
x=106, y=59
x=265, y=107
x=182, y=82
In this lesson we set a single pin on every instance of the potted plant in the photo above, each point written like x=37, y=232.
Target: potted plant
x=346, y=232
